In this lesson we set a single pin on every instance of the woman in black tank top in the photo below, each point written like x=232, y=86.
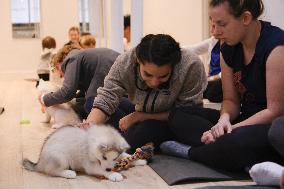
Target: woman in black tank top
x=253, y=94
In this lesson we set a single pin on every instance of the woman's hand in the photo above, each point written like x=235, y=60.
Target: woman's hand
x=129, y=120
x=222, y=127
x=207, y=137
x=40, y=100
x=84, y=125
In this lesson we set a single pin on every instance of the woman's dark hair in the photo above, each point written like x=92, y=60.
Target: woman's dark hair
x=238, y=7
x=126, y=21
x=160, y=49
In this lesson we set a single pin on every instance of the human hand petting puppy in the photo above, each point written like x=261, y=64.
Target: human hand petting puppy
x=124, y=123
x=40, y=99
x=84, y=125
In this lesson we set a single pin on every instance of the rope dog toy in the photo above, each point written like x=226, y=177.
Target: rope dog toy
x=145, y=152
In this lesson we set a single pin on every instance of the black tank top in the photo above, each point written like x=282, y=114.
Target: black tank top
x=250, y=80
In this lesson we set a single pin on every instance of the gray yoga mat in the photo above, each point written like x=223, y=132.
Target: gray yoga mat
x=176, y=171
x=239, y=187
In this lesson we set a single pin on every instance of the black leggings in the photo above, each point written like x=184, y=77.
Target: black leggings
x=244, y=147
x=142, y=132
x=276, y=135
x=189, y=123
x=44, y=77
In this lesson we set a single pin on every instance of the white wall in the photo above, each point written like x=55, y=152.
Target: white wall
x=127, y=6
x=183, y=19
x=57, y=16
x=14, y=53
x=274, y=13
x=180, y=18
x=23, y=54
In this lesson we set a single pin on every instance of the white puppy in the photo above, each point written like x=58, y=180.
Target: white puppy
x=93, y=151
x=62, y=114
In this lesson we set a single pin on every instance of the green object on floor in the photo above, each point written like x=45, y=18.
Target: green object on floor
x=25, y=122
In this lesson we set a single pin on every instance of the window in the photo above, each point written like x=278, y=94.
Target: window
x=84, y=15
x=25, y=18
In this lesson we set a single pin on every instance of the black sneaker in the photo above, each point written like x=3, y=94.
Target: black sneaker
x=2, y=109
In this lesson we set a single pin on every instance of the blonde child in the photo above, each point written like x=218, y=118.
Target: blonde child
x=88, y=41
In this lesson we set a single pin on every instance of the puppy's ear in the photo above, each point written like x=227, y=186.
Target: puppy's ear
x=103, y=147
x=123, y=145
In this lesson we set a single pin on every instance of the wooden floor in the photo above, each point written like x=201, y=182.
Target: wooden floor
x=18, y=96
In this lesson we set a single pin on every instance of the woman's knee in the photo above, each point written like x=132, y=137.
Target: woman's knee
x=181, y=112
x=185, y=114
x=276, y=129
x=275, y=134
x=174, y=114
x=147, y=131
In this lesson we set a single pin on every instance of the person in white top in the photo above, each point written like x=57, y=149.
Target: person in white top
x=48, y=51
x=211, y=46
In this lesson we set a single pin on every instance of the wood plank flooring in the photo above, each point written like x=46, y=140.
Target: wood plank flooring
x=19, y=97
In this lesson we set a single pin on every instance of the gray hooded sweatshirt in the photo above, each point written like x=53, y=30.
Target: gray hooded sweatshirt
x=84, y=70
x=45, y=59
x=184, y=88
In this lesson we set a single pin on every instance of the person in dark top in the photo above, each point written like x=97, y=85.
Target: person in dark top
x=211, y=47
x=157, y=75
x=214, y=91
x=252, y=73
x=2, y=109
x=126, y=32
x=84, y=70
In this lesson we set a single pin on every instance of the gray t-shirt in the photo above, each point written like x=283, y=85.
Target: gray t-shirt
x=84, y=70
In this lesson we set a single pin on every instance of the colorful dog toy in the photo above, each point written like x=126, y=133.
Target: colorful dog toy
x=145, y=152
x=42, y=109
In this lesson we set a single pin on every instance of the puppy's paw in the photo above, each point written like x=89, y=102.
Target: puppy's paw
x=140, y=162
x=45, y=121
x=68, y=174
x=124, y=155
x=115, y=177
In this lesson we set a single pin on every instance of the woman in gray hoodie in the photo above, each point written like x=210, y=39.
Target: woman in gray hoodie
x=156, y=76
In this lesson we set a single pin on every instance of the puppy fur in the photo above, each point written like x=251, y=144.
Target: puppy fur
x=62, y=114
x=93, y=151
